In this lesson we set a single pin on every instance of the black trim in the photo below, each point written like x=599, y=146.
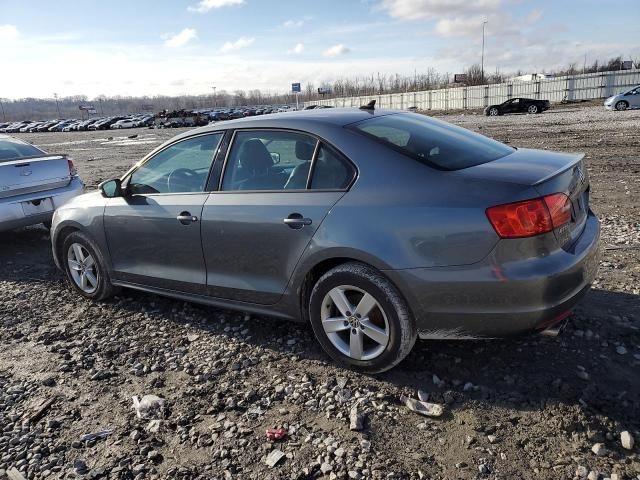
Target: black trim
x=219, y=160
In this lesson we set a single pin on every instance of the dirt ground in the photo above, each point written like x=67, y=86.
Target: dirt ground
x=533, y=408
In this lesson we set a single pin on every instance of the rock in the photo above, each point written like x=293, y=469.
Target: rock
x=423, y=396
x=582, y=471
x=599, y=449
x=423, y=408
x=80, y=467
x=492, y=438
x=149, y=407
x=620, y=350
x=356, y=420
x=274, y=457
x=627, y=440
x=583, y=375
x=326, y=468
x=593, y=475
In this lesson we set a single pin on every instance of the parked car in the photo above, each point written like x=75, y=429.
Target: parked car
x=624, y=100
x=124, y=123
x=377, y=227
x=33, y=183
x=518, y=105
x=16, y=126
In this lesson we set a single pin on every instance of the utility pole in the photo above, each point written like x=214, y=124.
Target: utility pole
x=482, y=60
x=55, y=95
x=4, y=117
x=215, y=101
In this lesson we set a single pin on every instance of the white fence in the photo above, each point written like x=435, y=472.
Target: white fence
x=571, y=88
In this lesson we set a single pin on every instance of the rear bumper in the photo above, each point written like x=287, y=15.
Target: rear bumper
x=493, y=299
x=12, y=214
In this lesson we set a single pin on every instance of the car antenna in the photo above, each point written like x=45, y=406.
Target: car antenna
x=369, y=106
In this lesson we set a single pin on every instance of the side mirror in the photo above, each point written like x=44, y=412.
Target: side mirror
x=111, y=188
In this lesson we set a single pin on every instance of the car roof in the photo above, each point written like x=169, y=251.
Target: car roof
x=303, y=119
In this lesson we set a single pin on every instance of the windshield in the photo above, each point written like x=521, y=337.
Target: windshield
x=12, y=149
x=432, y=142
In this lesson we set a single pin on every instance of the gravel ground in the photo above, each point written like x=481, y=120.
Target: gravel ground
x=534, y=408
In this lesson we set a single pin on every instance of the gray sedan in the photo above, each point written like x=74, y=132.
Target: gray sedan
x=376, y=227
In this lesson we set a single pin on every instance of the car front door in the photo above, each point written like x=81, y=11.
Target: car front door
x=153, y=230
x=634, y=98
x=256, y=227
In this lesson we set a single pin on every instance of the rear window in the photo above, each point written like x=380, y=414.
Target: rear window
x=432, y=142
x=11, y=149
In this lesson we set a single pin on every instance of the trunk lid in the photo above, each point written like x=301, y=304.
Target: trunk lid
x=547, y=173
x=33, y=174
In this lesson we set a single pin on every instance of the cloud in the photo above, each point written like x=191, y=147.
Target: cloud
x=296, y=23
x=242, y=42
x=205, y=5
x=181, y=39
x=8, y=32
x=298, y=49
x=336, y=51
x=433, y=9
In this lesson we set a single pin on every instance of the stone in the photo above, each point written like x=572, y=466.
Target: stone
x=627, y=440
x=274, y=457
x=356, y=420
x=599, y=449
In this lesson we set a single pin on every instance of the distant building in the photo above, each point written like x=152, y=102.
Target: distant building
x=530, y=77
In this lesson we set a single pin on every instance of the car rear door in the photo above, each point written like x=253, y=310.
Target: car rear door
x=153, y=231
x=267, y=209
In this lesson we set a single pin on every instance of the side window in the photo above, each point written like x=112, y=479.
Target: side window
x=180, y=168
x=268, y=160
x=331, y=171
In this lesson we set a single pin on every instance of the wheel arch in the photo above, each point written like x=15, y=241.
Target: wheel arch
x=316, y=269
x=62, y=231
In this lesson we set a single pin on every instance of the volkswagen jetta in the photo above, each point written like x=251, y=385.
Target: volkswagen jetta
x=377, y=227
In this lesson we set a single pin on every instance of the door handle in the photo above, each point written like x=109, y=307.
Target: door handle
x=297, y=221
x=185, y=218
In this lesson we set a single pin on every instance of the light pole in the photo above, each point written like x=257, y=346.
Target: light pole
x=55, y=95
x=215, y=100
x=482, y=60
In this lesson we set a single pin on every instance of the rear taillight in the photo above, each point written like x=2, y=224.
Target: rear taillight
x=530, y=217
x=72, y=168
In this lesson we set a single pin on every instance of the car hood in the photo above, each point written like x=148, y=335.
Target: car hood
x=524, y=167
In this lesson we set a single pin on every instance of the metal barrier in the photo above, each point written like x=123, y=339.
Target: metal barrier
x=587, y=86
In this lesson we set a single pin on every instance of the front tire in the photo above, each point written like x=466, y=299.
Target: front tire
x=494, y=112
x=360, y=318
x=621, y=105
x=85, y=267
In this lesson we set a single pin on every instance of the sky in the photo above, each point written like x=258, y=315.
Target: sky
x=153, y=47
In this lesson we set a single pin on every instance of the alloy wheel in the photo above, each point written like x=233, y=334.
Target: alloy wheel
x=493, y=112
x=621, y=106
x=533, y=109
x=83, y=268
x=355, y=323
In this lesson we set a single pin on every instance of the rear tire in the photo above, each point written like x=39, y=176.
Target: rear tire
x=621, y=105
x=533, y=109
x=85, y=267
x=360, y=318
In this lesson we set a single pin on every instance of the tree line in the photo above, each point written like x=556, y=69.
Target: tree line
x=373, y=84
